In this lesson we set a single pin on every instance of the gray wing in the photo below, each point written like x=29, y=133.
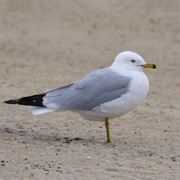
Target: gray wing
x=90, y=91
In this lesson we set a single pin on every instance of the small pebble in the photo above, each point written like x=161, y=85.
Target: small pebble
x=45, y=169
x=2, y=163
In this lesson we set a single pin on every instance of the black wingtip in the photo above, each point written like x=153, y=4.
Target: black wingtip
x=12, y=101
x=35, y=100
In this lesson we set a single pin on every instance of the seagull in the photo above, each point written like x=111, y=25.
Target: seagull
x=100, y=95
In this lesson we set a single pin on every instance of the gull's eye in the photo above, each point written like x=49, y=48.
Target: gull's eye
x=133, y=61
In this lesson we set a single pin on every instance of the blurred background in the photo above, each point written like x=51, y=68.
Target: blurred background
x=49, y=43
x=53, y=39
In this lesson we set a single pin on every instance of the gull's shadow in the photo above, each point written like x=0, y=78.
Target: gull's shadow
x=25, y=136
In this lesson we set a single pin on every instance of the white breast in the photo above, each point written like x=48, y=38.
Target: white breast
x=138, y=89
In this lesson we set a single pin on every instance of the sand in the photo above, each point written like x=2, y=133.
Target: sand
x=46, y=44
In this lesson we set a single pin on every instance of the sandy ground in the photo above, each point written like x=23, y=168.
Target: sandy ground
x=46, y=44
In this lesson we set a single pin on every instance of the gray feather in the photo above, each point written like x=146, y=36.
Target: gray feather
x=90, y=91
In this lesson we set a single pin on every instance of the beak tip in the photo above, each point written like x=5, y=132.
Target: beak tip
x=154, y=66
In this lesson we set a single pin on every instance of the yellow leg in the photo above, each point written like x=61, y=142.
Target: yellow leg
x=107, y=130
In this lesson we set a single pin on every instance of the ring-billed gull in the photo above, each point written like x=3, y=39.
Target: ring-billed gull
x=100, y=95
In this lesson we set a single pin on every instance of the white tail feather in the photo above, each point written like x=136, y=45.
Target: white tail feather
x=40, y=110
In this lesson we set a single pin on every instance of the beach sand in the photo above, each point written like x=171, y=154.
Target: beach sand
x=46, y=44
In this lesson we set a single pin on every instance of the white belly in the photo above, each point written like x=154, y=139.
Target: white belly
x=137, y=92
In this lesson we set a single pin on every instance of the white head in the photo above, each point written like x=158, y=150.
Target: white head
x=128, y=60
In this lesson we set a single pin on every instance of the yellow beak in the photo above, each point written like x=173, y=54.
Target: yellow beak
x=150, y=65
